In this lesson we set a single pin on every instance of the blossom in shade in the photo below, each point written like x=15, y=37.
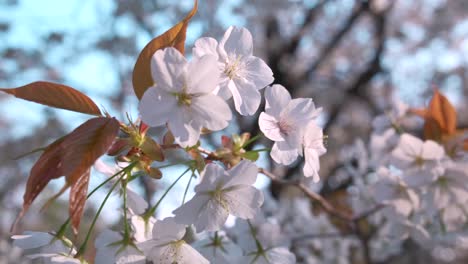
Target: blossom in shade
x=167, y=246
x=222, y=193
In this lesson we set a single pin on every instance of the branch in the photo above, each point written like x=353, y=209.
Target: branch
x=336, y=39
x=328, y=207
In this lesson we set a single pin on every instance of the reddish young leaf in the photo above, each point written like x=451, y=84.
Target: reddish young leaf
x=78, y=193
x=55, y=95
x=70, y=156
x=86, y=144
x=174, y=37
x=432, y=129
x=442, y=111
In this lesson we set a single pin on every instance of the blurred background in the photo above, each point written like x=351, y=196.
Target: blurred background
x=352, y=57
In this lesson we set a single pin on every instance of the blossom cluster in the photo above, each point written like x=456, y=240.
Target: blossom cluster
x=398, y=187
x=190, y=97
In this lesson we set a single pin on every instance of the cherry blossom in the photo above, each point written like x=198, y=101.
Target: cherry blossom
x=183, y=96
x=219, y=194
x=242, y=74
x=46, y=247
x=291, y=124
x=167, y=246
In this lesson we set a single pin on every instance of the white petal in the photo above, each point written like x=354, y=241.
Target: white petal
x=189, y=212
x=280, y=255
x=212, y=110
x=185, y=134
x=277, y=98
x=64, y=260
x=300, y=110
x=269, y=126
x=418, y=177
x=168, y=230
x=104, y=168
x=312, y=164
x=135, y=202
x=237, y=41
x=142, y=229
x=245, y=172
x=189, y=255
x=432, y=151
x=32, y=240
x=157, y=107
x=246, y=96
x=258, y=72
x=284, y=154
x=244, y=201
x=203, y=75
x=211, y=217
x=210, y=176
x=167, y=68
x=408, y=148
x=205, y=46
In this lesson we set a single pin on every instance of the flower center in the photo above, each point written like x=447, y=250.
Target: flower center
x=233, y=67
x=285, y=127
x=183, y=98
x=218, y=196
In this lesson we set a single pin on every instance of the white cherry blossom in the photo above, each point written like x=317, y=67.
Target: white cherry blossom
x=242, y=74
x=167, y=246
x=450, y=187
x=392, y=191
x=291, y=124
x=419, y=160
x=45, y=246
x=219, y=194
x=183, y=96
x=412, y=152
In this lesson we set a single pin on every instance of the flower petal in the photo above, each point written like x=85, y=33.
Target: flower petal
x=246, y=96
x=210, y=176
x=269, y=127
x=258, y=72
x=204, y=46
x=157, y=107
x=185, y=133
x=167, y=67
x=284, y=154
x=203, y=75
x=245, y=173
x=244, y=201
x=212, y=110
x=277, y=98
x=237, y=41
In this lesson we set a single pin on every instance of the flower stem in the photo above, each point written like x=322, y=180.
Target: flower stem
x=153, y=209
x=186, y=188
x=88, y=235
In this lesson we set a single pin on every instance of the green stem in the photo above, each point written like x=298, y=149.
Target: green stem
x=252, y=140
x=124, y=194
x=128, y=168
x=260, y=150
x=153, y=209
x=186, y=188
x=88, y=235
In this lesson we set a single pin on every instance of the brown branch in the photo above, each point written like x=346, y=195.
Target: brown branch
x=336, y=39
x=328, y=207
